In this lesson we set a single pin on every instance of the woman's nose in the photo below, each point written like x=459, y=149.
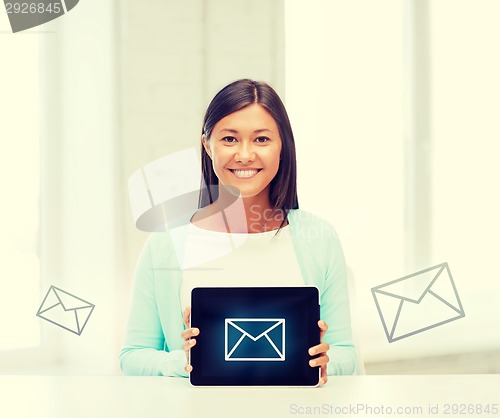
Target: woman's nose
x=245, y=153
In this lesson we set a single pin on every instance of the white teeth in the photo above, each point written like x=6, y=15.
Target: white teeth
x=245, y=173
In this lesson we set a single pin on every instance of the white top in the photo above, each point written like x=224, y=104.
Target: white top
x=219, y=259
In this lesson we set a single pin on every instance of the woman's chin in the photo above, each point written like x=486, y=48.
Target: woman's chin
x=231, y=190
x=245, y=191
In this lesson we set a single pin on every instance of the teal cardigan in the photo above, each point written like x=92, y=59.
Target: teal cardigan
x=153, y=343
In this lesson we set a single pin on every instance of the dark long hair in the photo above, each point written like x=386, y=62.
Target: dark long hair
x=234, y=97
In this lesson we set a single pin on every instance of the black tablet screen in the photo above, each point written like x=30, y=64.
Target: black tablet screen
x=254, y=336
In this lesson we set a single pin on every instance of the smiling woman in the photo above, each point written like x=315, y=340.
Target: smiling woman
x=247, y=232
x=247, y=135
x=240, y=153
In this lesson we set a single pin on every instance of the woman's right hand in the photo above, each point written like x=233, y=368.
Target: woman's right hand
x=187, y=335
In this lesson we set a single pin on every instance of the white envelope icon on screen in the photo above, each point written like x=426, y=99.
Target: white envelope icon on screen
x=418, y=302
x=257, y=339
x=65, y=310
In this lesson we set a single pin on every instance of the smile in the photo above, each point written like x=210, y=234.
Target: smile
x=245, y=174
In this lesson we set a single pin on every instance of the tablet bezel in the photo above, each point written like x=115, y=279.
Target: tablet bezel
x=198, y=380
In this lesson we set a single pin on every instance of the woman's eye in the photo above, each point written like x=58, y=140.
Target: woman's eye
x=229, y=139
x=262, y=139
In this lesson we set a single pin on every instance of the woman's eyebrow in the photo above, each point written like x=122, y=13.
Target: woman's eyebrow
x=234, y=131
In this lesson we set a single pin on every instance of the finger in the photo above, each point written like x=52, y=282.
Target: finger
x=188, y=345
x=319, y=349
x=188, y=368
x=324, y=377
x=186, y=316
x=323, y=327
x=319, y=361
x=190, y=332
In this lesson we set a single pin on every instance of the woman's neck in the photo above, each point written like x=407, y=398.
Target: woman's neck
x=240, y=214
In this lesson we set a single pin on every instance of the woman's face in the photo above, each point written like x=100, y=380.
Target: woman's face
x=245, y=149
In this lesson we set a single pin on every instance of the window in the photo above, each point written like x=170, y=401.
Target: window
x=19, y=183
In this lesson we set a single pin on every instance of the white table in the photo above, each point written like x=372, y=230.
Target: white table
x=126, y=397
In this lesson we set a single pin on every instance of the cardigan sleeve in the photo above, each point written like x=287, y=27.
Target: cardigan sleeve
x=144, y=352
x=335, y=312
x=321, y=258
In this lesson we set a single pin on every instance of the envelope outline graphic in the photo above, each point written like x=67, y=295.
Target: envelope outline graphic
x=73, y=305
x=230, y=322
x=442, y=272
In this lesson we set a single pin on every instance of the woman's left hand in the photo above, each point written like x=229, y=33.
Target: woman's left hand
x=320, y=349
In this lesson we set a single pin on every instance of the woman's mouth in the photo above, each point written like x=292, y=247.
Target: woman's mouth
x=245, y=173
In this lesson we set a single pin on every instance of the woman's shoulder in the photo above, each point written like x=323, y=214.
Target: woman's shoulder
x=310, y=226
x=306, y=218
x=160, y=248
x=161, y=239
x=158, y=240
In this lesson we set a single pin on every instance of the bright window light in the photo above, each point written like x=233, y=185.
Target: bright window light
x=19, y=184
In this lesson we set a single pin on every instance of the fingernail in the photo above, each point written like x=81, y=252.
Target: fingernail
x=312, y=351
x=312, y=362
x=322, y=322
x=195, y=331
x=191, y=342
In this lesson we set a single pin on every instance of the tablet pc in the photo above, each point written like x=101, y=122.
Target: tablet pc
x=254, y=336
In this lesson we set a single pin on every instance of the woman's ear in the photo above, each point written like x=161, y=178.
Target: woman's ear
x=206, y=145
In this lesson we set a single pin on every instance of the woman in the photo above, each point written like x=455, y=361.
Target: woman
x=248, y=224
